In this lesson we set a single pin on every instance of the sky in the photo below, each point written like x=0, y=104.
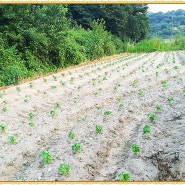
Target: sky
x=165, y=7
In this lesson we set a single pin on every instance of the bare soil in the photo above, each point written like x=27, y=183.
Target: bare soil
x=85, y=94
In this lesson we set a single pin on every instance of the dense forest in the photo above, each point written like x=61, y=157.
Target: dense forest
x=167, y=25
x=37, y=39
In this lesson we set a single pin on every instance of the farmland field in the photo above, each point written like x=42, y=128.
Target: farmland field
x=42, y=119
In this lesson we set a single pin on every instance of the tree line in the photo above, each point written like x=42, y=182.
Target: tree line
x=37, y=39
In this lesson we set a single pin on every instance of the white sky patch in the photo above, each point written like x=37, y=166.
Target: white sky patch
x=154, y=8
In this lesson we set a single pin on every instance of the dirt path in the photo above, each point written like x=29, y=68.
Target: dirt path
x=84, y=95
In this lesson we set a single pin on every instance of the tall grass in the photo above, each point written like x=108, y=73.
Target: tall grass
x=157, y=44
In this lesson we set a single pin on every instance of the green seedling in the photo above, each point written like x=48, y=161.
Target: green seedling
x=31, y=115
x=98, y=129
x=121, y=106
x=80, y=76
x=63, y=169
x=69, y=72
x=159, y=107
x=140, y=92
x=52, y=112
x=62, y=83
x=124, y=176
x=76, y=147
x=96, y=94
x=170, y=100
x=3, y=127
x=12, y=139
x=146, y=129
x=4, y=109
x=71, y=135
x=164, y=83
x=176, y=67
x=46, y=157
x=79, y=87
x=75, y=101
x=152, y=117
x=166, y=70
x=18, y=89
x=106, y=113
x=31, y=84
x=156, y=74
x=31, y=124
x=56, y=105
x=118, y=100
x=84, y=118
x=54, y=78
x=53, y=87
x=135, y=149
x=1, y=95
x=5, y=102
x=104, y=78
x=26, y=100
x=183, y=91
x=134, y=83
x=44, y=79
x=63, y=74
x=72, y=79
x=99, y=107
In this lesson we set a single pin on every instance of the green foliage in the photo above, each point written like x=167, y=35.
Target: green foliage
x=135, y=149
x=63, y=169
x=152, y=117
x=12, y=139
x=46, y=157
x=124, y=176
x=98, y=129
x=159, y=107
x=106, y=113
x=76, y=147
x=71, y=135
x=3, y=127
x=146, y=129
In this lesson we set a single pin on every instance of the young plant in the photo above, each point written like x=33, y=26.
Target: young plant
x=135, y=149
x=106, y=113
x=12, y=139
x=3, y=127
x=164, y=83
x=121, y=106
x=62, y=83
x=31, y=124
x=159, y=107
x=63, y=74
x=44, y=79
x=46, y=157
x=54, y=78
x=63, y=169
x=31, y=84
x=183, y=91
x=31, y=115
x=76, y=147
x=4, y=109
x=140, y=92
x=98, y=129
x=96, y=94
x=146, y=129
x=99, y=107
x=18, y=89
x=53, y=87
x=118, y=100
x=71, y=134
x=56, y=105
x=124, y=176
x=170, y=100
x=152, y=117
x=134, y=83
x=52, y=112
x=176, y=67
